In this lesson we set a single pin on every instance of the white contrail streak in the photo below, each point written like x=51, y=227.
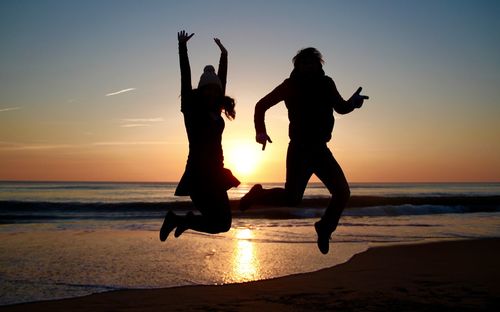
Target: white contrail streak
x=9, y=109
x=121, y=91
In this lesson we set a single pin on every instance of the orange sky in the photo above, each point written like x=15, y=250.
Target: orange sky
x=90, y=91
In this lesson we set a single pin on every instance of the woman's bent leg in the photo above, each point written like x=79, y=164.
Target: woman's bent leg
x=215, y=214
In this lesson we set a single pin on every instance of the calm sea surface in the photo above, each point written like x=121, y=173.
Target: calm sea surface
x=108, y=192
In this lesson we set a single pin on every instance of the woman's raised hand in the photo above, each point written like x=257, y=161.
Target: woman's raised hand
x=221, y=47
x=183, y=36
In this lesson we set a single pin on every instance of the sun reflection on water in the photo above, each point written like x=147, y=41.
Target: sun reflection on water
x=245, y=261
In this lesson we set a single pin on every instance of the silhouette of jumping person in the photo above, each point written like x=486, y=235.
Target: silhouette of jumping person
x=310, y=97
x=205, y=179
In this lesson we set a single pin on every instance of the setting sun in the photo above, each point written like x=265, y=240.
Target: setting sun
x=242, y=158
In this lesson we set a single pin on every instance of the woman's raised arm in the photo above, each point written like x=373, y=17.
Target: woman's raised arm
x=183, y=37
x=222, y=72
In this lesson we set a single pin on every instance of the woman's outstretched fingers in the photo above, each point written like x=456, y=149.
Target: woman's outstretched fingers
x=183, y=36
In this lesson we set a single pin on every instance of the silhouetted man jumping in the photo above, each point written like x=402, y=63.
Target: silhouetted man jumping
x=310, y=97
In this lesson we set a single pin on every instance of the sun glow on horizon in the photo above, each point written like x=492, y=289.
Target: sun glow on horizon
x=242, y=158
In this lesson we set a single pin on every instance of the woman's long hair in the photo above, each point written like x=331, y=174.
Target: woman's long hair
x=228, y=105
x=225, y=103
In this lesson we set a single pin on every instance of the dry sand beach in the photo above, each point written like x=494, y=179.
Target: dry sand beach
x=445, y=276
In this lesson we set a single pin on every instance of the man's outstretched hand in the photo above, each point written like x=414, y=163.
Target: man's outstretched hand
x=183, y=36
x=357, y=99
x=263, y=138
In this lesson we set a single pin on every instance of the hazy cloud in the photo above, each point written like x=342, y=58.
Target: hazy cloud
x=115, y=143
x=19, y=146
x=120, y=92
x=134, y=125
x=15, y=146
x=139, y=122
x=9, y=109
x=142, y=119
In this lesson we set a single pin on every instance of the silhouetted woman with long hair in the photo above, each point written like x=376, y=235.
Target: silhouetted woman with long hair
x=205, y=179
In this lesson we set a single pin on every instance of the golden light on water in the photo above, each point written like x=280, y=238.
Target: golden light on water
x=245, y=261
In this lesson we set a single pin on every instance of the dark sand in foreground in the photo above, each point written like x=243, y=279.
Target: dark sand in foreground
x=445, y=276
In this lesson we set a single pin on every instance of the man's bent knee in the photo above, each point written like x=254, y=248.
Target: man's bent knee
x=293, y=199
x=342, y=194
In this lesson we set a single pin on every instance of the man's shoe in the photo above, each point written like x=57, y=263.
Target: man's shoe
x=247, y=200
x=323, y=238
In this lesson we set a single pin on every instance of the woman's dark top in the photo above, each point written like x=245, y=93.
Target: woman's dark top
x=205, y=170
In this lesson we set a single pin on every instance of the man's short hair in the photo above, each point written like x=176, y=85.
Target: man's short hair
x=308, y=53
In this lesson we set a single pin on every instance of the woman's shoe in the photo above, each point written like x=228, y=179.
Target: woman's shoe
x=169, y=224
x=183, y=224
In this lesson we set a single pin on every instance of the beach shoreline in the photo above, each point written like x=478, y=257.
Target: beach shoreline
x=435, y=276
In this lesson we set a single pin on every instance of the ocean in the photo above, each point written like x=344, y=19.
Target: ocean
x=67, y=239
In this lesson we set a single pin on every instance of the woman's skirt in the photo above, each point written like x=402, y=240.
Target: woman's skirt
x=205, y=181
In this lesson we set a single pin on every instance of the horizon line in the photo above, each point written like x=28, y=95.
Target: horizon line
x=252, y=182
